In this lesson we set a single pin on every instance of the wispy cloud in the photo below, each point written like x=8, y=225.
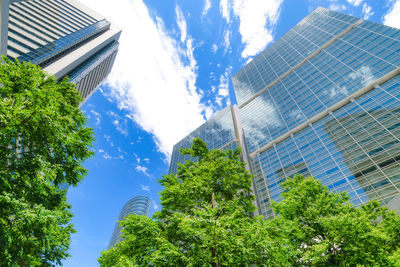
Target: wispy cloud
x=224, y=6
x=258, y=19
x=136, y=157
x=156, y=207
x=107, y=156
x=121, y=124
x=143, y=170
x=97, y=117
x=227, y=40
x=181, y=21
x=145, y=188
x=154, y=76
x=214, y=48
x=207, y=6
x=392, y=17
x=337, y=7
x=367, y=11
x=354, y=2
x=223, y=87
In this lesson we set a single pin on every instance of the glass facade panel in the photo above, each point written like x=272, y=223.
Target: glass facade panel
x=324, y=100
x=137, y=205
x=355, y=148
x=305, y=38
x=46, y=52
x=218, y=133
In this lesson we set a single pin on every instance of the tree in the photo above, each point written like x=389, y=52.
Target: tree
x=205, y=219
x=323, y=228
x=43, y=142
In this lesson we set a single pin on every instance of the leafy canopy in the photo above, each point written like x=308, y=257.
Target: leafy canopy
x=323, y=228
x=205, y=219
x=43, y=142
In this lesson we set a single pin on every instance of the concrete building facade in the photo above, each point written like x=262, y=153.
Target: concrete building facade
x=64, y=37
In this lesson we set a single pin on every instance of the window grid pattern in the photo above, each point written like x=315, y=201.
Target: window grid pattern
x=78, y=73
x=354, y=149
x=93, y=75
x=51, y=25
x=46, y=52
x=335, y=73
x=218, y=132
x=324, y=23
x=137, y=205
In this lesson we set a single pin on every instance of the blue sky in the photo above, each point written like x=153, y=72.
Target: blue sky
x=173, y=72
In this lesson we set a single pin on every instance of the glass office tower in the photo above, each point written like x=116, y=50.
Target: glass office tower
x=137, y=205
x=64, y=37
x=218, y=132
x=324, y=100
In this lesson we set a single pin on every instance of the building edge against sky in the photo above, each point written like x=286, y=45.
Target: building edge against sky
x=64, y=37
x=323, y=100
x=138, y=205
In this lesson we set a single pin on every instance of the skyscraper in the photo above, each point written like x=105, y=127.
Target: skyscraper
x=137, y=205
x=324, y=100
x=218, y=132
x=64, y=37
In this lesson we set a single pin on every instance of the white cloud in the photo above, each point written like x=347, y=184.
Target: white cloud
x=101, y=150
x=97, y=117
x=145, y=188
x=156, y=207
x=107, y=156
x=337, y=7
x=392, y=18
x=367, y=11
x=267, y=118
x=146, y=160
x=214, y=48
x=95, y=113
x=142, y=169
x=225, y=10
x=258, y=19
x=227, y=41
x=154, y=75
x=354, y=2
x=363, y=75
x=223, y=87
x=248, y=60
x=136, y=157
x=207, y=6
x=180, y=20
x=121, y=124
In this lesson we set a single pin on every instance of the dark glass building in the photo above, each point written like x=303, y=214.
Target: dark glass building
x=324, y=100
x=137, y=205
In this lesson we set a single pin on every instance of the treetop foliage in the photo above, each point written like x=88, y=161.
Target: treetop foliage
x=205, y=218
x=206, y=221
x=43, y=142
